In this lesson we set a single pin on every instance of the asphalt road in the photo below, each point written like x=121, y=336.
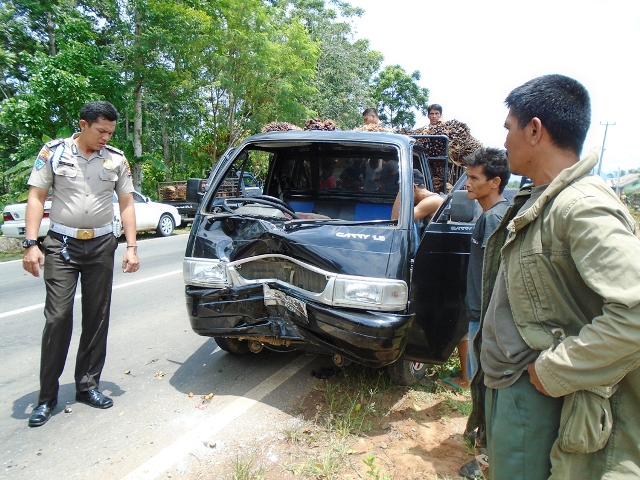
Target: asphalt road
x=154, y=423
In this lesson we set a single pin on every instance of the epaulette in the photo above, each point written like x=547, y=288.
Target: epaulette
x=114, y=149
x=54, y=143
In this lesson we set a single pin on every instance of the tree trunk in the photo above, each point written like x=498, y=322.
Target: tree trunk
x=214, y=105
x=165, y=148
x=51, y=33
x=232, y=117
x=137, y=138
x=137, y=111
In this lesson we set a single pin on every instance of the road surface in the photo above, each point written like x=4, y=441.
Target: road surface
x=154, y=360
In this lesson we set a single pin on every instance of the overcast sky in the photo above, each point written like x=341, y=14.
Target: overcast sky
x=472, y=53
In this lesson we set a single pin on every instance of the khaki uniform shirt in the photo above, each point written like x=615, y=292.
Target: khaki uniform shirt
x=82, y=188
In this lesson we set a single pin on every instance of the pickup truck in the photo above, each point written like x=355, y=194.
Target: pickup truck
x=175, y=194
x=317, y=264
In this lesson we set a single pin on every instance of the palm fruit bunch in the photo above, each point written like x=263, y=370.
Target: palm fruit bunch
x=461, y=143
x=279, y=127
x=373, y=128
x=317, y=124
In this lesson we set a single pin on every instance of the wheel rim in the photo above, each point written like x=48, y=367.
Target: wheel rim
x=417, y=366
x=166, y=225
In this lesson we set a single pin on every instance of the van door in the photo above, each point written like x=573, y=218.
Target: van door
x=438, y=287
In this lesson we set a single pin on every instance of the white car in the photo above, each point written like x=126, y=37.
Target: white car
x=150, y=215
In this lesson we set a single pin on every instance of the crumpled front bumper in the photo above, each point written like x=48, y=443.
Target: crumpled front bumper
x=371, y=338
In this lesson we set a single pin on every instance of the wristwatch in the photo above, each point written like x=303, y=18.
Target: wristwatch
x=26, y=243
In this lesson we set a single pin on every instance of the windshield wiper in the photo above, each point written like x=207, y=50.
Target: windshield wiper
x=316, y=222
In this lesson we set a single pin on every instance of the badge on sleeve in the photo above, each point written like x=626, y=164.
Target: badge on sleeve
x=127, y=168
x=43, y=158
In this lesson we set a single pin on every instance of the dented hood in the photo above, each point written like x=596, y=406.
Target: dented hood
x=363, y=250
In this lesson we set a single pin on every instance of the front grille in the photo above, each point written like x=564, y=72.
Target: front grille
x=285, y=271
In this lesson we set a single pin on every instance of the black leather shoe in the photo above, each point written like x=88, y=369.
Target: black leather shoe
x=42, y=412
x=94, y=398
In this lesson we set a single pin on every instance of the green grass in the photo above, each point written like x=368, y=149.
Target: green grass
x=327, y=463
x=5, y=257
x=450, y=405
x=350, y=404
x=247, y=467
x=374, y=472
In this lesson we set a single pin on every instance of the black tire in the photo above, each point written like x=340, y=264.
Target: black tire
x=232, y=345
x=406, y=372
x=165, y=225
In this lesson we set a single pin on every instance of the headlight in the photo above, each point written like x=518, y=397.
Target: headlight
x=356, y=292
x=204, y=272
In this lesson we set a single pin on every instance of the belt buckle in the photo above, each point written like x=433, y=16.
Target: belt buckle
x=85, y=233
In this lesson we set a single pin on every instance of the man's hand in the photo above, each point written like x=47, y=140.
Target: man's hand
x=33, y=260
x=535, y=380
x=130, y=261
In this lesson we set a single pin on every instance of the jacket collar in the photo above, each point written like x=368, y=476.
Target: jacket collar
x=567, y=176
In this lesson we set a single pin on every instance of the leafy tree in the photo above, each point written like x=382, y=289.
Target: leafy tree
x=397, y=94
x=258, y=70
x=345, y=66
x=189, y=77
x=59, y=64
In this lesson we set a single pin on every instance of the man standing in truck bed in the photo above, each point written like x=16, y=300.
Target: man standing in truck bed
x=558, y=387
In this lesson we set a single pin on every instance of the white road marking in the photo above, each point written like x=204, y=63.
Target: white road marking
x=190, y=441
x=79, y=295
x=142, y=280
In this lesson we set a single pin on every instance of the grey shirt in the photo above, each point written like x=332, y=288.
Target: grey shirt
x=504, y=354
x=483, y=229
x=82, y=188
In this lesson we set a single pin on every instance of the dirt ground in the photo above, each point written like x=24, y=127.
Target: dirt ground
x=420, y=436
x=408, y=433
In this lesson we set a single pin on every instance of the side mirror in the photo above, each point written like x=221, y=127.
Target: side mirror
x=194, y=190
x=462, y=208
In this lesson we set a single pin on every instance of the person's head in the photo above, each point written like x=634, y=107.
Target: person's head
x=418, y=184
x=97, y=124
x=370, y=116
x=435, y=112
x=487, y=173
x=93, y=111
x=561, y=105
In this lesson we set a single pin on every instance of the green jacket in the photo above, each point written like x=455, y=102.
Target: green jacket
x=572, y=268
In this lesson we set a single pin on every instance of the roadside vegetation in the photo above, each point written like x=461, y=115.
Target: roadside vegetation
x=357, y=424
x=190, y=79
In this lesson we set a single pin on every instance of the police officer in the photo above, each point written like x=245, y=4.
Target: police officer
x=83, y=172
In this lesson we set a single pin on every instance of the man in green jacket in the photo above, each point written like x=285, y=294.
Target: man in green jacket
x=558, y=389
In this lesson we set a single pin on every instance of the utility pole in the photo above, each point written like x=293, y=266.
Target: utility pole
x=603, y=142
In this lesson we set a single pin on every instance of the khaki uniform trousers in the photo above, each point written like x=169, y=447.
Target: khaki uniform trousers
x=91, y=260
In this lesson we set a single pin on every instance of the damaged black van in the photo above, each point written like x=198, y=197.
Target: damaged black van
x=315, y=262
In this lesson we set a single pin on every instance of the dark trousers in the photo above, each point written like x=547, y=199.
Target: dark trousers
x=92, y=260
x=522, y=425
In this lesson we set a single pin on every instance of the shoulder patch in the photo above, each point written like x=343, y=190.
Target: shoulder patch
x=54, y=143
x=127, y=168
x=42, y=158
x=114, y=149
